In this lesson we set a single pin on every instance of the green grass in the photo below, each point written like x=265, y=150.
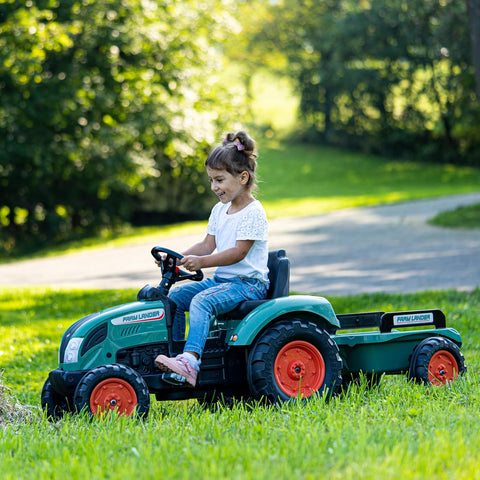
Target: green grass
x=462, y=217
x=399, y=431
x=301, y=179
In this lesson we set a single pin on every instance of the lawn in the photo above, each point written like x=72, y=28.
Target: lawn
x=300, y=179
x=462, y=217
x=399, y=431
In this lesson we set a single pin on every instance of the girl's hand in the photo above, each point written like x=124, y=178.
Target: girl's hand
x=192, y=262
x=164, y=257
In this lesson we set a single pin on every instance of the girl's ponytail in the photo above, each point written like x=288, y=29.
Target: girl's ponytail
x=242, y=142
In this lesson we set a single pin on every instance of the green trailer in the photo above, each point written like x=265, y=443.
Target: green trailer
x=283, y=347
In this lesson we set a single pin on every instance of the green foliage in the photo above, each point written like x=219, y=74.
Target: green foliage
x=399, y=431
x=383, y=76
x=106, y=108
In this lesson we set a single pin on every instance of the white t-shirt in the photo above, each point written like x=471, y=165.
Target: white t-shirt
x=250, y=223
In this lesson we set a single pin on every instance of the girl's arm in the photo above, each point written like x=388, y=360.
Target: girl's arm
x=227, y=257
x=205, y=247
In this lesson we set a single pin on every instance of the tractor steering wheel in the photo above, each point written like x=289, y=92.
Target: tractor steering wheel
x=171, y=273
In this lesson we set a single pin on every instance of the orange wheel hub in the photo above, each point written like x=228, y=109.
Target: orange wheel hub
x=442, y=368
x=113, y=394
x=299, y=369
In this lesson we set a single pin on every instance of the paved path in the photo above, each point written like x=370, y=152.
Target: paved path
x=387, y=248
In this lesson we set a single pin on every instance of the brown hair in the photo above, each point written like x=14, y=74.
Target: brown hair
x=235, y=155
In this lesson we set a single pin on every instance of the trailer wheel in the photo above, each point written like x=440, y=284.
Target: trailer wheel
x=436, y=361
x=294, y=359
x=113, y=387
x=54, y=404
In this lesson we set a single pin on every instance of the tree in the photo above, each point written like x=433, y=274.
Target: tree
x=383, y=76
x=106, y=106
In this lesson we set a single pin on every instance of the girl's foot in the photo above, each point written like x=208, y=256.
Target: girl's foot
x=179, y=365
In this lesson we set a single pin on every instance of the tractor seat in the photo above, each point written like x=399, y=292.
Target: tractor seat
x=279, y=276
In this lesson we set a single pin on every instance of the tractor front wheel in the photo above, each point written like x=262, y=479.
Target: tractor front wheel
x=113, y=388
x=436, y=361
x=54, y=404
x=294, y=359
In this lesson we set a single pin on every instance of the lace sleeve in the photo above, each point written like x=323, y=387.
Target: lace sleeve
x=253, y=226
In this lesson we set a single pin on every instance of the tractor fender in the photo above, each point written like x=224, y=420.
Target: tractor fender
x=317, y=309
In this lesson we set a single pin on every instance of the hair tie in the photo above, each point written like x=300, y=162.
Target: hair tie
x=237, y=143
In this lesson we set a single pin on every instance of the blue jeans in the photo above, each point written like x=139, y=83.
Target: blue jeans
x=210, y=297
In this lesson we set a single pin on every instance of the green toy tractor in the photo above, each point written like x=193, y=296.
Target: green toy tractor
x=273, y=350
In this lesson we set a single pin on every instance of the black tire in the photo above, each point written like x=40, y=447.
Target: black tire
x=436, y=361
x=291, y=357
x=113, y=387
x=54, y=404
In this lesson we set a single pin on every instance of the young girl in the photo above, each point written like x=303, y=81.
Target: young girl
x=238, y=230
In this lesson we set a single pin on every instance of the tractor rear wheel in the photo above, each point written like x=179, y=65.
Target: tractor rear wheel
x=294, y=358
x=436, y=361
x=113, y=388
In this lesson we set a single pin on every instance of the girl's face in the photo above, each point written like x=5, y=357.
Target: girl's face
x=228, y=187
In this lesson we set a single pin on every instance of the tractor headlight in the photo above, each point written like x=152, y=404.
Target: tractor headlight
x=73, y=347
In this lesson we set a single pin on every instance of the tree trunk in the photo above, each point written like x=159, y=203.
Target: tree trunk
x=473, y=7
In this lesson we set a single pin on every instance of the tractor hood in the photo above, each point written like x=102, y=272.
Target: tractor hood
x=102, y=333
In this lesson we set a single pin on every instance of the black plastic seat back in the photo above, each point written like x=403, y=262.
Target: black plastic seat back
x=279, y=274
